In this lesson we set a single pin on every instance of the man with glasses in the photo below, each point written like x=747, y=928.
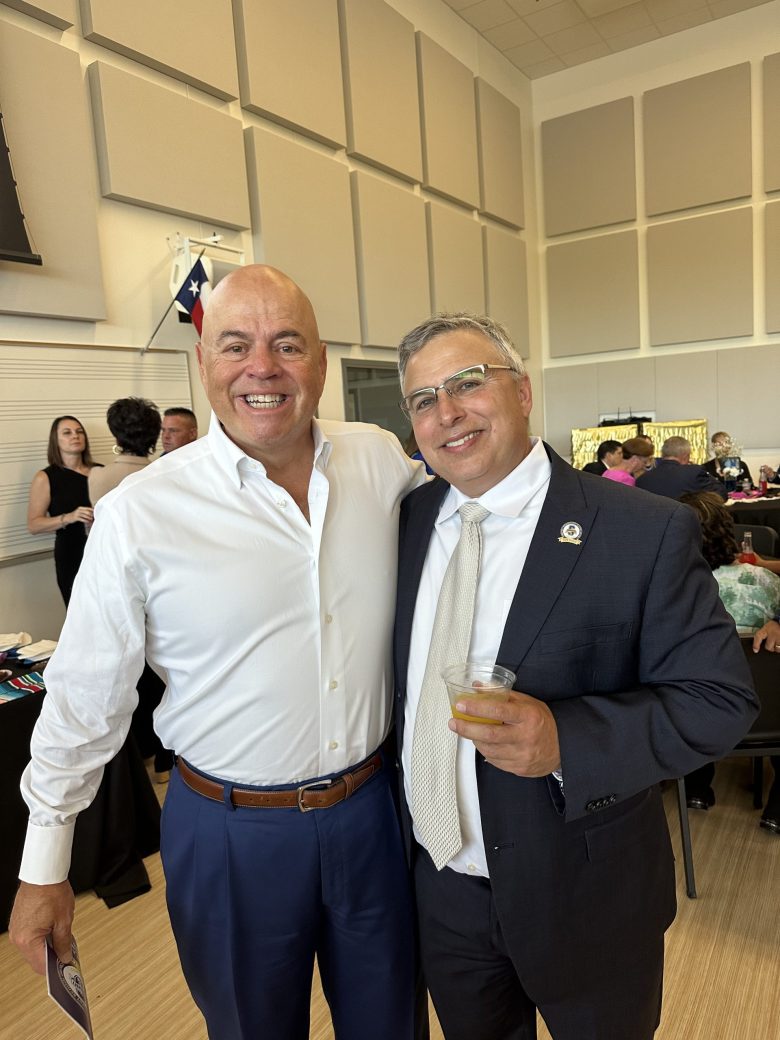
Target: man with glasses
x=543, y=869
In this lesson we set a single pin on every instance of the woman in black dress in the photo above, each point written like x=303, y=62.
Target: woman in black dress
x=59, y=498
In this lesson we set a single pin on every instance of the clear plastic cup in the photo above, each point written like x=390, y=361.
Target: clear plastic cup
x=477, y=680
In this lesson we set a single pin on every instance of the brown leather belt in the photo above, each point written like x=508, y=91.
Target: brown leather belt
x=319, y=794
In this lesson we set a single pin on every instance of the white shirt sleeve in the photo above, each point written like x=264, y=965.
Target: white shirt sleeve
x=91, y=695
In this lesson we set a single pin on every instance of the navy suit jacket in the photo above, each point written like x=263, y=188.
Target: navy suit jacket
x=625, y=637
x=672, y=480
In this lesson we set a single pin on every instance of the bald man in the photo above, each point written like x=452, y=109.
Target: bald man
x=256, y=571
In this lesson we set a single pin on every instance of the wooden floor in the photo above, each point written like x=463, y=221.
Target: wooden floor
x=723, y=952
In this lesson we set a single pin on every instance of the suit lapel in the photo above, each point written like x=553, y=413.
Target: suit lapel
x=417, y=528
x=550, y=560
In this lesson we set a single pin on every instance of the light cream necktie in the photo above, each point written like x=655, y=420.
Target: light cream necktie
x=434, y=745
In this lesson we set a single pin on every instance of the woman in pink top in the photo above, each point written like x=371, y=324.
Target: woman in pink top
x=636, y=454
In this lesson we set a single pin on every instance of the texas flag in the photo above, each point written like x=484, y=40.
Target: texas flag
x=194, y=293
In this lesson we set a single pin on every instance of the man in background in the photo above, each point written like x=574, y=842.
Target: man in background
x=542, y=862
x=608, y=455
x=256, y=571
x=675, y=475
x=179, y=427
x=636, y=454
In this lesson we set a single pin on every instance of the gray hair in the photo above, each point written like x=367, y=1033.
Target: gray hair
x=675, y=447
x=439, y=324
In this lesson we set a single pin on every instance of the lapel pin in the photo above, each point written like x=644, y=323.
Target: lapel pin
x=571, y=533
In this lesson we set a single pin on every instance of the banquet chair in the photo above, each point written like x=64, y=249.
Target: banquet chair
x=762, y=739
x=765, y=539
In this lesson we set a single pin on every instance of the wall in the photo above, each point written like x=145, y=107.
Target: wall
x=659, y=260
x=361, y=146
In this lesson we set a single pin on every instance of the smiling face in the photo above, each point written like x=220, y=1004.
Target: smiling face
x=475, y=441
x=262, y=363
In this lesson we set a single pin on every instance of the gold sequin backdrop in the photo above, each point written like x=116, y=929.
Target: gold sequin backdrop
x=585, y=442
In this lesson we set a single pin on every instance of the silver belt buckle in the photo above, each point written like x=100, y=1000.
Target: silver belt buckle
x=306, y=787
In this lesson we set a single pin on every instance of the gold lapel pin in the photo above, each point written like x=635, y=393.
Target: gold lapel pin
x=571, y=533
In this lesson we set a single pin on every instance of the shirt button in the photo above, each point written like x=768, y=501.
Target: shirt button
x=328, y=618
x=471, y=868
x=282, y=503
x=333, y=684
x=333, y=745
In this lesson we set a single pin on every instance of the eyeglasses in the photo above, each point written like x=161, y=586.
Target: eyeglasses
x=464, y=383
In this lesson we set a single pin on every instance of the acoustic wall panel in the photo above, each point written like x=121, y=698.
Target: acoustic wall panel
x=700, y=278
x=686, y=386
x=191, y=42
x=449, y=121
x=58, y=13
x=697, y=140
x=748, y=379
x=392, y=260
x=588, y=168
x=161, y=162
x=771, y=122
x=271, y=38
x=500, y=155
x=570, y=402
x=593, y=295
x=506, y=283
x=772, y=269
x=46, y=118
x=626, y=386
x=457, y=269
x=380, y=75
x=302, y=224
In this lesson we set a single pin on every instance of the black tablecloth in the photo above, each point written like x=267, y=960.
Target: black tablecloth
x=761, y=514
x=112, y=836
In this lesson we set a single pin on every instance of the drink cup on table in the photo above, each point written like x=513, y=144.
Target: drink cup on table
x=477, y=680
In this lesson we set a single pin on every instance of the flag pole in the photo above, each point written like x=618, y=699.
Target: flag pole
x=168, y=308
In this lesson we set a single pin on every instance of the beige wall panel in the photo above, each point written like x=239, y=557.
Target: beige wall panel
x=449, y=118
x=58, y=13
x=272, y=38
x=500, y=155
x=302, y=222
x=192, y=42
x=626, y=386
x=380, y=74
x=772, y=122
x=46, y=116
x=772, y=246
x=686, y=387
x=593, y=295
x=506, y=284
x=700, y=278
x=748, y=379
x=697, y=140
x=392, y=260
x=457, y=265
x=589, y=168
x=570, y=402
x=161, y=162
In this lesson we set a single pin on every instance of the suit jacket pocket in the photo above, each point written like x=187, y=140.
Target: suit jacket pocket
x=637, y=820
x=573, y=638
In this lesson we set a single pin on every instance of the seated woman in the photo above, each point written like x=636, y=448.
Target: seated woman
x=751, y=594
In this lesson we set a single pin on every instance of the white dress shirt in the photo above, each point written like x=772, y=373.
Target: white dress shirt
x=272, y=634
x=515, y=504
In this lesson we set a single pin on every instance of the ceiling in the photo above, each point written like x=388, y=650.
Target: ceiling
x=545, y=36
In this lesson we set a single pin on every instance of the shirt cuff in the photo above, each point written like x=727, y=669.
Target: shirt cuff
x=558, y=774
x=46, y=856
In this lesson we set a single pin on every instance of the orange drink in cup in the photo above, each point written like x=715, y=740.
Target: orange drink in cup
x=477, y=680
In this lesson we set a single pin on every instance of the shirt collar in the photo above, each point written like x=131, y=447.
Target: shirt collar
x=233, y=461
x=512, y=494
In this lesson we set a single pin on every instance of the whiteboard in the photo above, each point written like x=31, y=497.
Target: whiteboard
x=41, y=381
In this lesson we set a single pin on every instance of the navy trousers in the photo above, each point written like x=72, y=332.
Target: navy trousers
x=255, y=894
